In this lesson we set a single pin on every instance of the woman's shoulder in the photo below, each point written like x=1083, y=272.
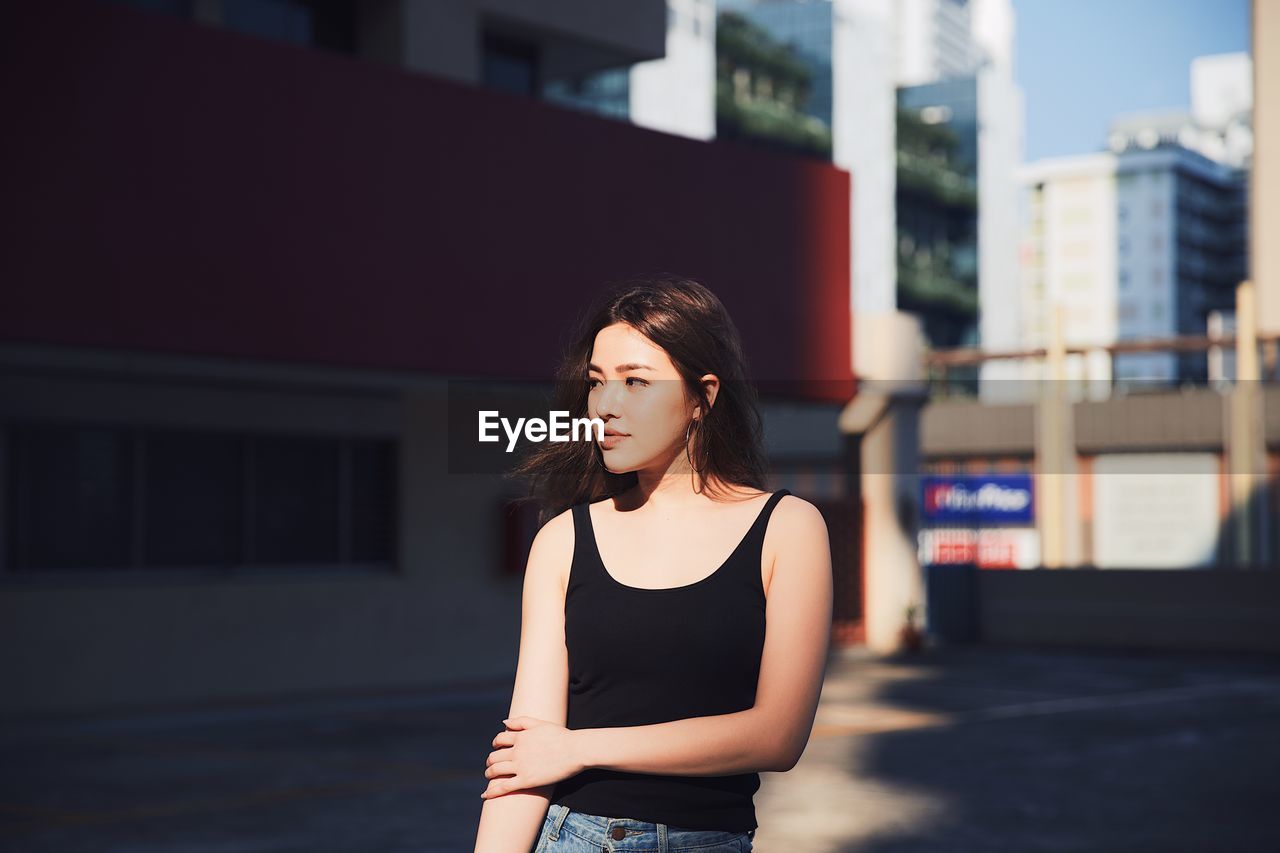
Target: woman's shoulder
x=552, y=546
x=797, y=516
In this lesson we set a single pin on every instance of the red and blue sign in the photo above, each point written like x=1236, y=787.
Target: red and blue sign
x=989, y=499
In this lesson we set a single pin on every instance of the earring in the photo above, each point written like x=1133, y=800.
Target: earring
x=686, y=442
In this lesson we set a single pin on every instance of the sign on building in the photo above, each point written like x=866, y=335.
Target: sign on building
x=984, y=520
x=1155, y=510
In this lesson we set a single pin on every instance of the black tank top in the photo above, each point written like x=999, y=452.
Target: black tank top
x=643, y=656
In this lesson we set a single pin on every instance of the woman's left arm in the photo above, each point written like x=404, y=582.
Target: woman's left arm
x=769, y=736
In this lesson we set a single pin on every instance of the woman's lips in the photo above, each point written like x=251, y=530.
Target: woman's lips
x=611, y=441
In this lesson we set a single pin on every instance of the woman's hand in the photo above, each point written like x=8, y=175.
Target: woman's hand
x=532, y=752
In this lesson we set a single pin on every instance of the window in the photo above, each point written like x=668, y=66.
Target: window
x=1078, y=249
x=274, y=19
x=193, y=485
x=1077, y=281
x=328, y=24
x=509, y=65
x=1079, y=215
x=70, y=497
x=294, y=514
x=97, y=497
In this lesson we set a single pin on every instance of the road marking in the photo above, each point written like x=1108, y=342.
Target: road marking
x=872, y=719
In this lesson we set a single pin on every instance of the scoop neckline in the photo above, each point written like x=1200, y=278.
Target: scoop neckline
x=595, y=546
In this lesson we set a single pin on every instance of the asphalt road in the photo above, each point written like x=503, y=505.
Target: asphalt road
x=972, y=748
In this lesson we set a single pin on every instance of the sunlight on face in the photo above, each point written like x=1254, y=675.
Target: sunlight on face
x=636, y=390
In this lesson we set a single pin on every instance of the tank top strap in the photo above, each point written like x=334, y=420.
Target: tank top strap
x=750, y=550
x=586, y=564
x=762, y=521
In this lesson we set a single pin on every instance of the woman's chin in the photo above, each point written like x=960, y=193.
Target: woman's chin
x=618, y=462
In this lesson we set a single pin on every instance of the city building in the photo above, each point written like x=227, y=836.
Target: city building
x=1146, y=239
x=674, y=93
x=937, y=209
x=250, y=255
x=1219, y=123
x=954, y=75
x=933, y=40
x=1146, y=243
x=900, y=77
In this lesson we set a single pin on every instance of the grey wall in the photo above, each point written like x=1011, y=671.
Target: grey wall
x=1218, y=610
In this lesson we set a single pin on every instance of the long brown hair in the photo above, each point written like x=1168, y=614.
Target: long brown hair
x=690, y=323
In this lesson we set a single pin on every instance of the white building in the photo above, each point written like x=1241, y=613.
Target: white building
x=1134, y=245
x=1222, y=106
x=677, y=93
x=1145, y=240
x=933, y=40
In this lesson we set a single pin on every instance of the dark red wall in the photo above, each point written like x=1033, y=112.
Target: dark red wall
x=184, y=189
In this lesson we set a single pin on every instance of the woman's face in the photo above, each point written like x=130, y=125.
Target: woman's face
x=636, y=390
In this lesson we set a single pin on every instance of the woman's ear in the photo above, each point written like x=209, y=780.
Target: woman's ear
x=711, y=386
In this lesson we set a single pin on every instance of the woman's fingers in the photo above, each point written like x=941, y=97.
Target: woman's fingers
x=500, y=768
x=499, y=755
x=499, y=787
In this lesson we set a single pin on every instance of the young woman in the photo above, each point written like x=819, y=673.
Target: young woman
x=675, y=616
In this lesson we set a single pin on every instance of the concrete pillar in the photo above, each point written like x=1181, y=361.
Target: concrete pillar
x=1057, y=515
x=1264, y=175
x=1246, y=451
x=885, y=415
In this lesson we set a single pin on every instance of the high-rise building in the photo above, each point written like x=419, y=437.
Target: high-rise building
x=674, y=93
x=1219, y=123
x=773, y=75
x=954, y=72
x=937, y=209
x=948, y=65
x=1146, y=239
x=933, y=40
x=1145, y=243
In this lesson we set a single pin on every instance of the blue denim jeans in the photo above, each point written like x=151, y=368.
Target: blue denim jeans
x=567, y=831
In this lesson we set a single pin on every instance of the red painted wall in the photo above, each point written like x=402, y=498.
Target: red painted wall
x=178, y=188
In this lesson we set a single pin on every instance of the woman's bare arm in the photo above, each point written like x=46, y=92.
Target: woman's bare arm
x=773, y=733
x=511, y=821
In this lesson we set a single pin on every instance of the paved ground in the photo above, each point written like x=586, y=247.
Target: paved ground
x=962, y=749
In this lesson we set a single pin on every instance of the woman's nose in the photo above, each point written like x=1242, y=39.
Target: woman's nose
x=608, y=400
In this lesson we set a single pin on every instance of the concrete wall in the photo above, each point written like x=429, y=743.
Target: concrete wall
x=1139, y=609
x=1170, y=436
x=266, y=202
x=444, y=614
x=443, y=37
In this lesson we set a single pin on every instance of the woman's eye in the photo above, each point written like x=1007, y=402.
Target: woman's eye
x=591, y=383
